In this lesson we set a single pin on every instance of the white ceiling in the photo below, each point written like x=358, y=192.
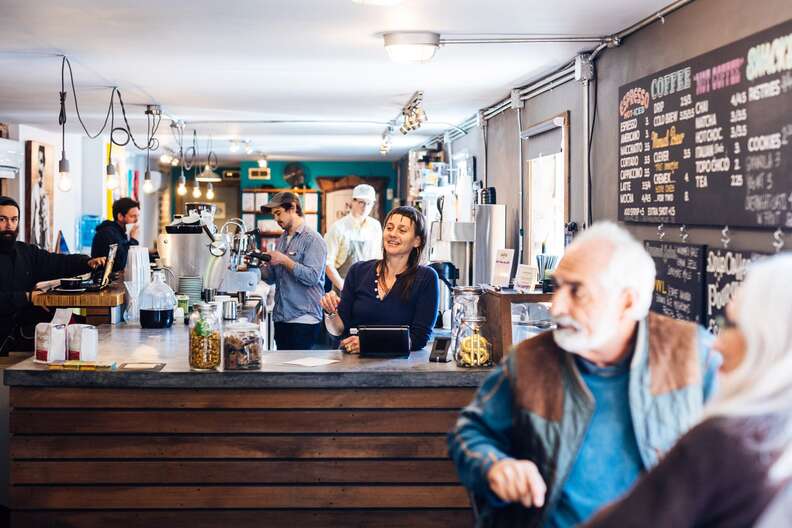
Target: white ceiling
x=247, y=60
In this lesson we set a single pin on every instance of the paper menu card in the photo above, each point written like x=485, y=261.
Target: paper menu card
x=311, y=362
x=501, y=272
x=526, y=276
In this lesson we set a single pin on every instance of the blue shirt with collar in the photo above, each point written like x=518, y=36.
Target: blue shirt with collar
x=299, y=291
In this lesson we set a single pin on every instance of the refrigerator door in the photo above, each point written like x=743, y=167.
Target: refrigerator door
x=490, y=220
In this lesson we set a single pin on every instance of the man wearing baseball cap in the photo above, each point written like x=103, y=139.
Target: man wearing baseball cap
x=356, y=237
x=296, y=269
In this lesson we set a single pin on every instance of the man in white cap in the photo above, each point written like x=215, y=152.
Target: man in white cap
x=356, y=237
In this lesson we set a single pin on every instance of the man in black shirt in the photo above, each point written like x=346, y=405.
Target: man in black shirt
x=21, y=267
x=126, y=211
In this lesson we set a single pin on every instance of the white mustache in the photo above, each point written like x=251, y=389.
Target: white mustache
x=568, y=323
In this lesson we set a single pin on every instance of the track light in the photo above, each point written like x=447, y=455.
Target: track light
x=248, y=148
x=234, y=146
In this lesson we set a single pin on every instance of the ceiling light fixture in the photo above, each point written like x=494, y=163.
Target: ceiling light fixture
x=181, y=188
x=420, y=46
x=413, y=113
x=380, y=3
x=234, y=146
x=64, y=178
x=411, y=46
x=208, y=174
x=248, y=148
x=166, y=158
x=152, y=111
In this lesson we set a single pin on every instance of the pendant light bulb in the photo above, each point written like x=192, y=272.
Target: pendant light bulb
x=64, y=177
x=111, y=181
x=210, y=194
x=148, y=186
x=196, y=190
x=181, y=187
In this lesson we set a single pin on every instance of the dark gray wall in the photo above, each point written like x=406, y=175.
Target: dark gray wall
x=695, y=29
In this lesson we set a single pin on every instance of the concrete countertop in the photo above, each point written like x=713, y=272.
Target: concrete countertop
x=130, y=343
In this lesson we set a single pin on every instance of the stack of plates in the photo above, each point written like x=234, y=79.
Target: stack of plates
x=191, y=286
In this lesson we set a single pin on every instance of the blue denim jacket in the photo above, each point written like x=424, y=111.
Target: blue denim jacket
x=300, y=290
x=536, y=407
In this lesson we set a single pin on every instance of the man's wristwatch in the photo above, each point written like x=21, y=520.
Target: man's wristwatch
x=331, y=315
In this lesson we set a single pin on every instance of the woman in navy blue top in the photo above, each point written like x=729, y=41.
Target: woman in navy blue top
x=396, y=290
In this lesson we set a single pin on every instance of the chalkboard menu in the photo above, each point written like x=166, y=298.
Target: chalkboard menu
x=679, y=285
x=707, y=142
x=726, y=269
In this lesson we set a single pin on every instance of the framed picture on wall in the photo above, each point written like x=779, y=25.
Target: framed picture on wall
x=248, y=201
x=259, y=174
x=39, y=193
x=261, y=200
x=220, y=210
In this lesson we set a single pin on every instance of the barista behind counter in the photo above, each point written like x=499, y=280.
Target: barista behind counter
x=126, y=212
x=396, y=290
x=354, y=238
x=21, y=267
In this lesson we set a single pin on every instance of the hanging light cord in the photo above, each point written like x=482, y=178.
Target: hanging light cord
x=152, y=143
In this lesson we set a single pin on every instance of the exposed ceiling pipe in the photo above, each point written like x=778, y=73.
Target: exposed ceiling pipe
x=541, y=85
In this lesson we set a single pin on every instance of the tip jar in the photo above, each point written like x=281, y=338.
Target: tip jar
x=472, y=348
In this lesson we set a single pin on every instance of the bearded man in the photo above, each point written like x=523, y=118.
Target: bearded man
x=572, y=418
x=21, y=267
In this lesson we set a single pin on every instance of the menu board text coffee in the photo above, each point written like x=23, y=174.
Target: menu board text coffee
x=707, y=142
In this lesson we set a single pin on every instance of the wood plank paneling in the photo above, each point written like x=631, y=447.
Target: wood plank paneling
x=234, y=472
x=230, y=447
x=245, y=519
x=81, y=398
x=178, y=497
x=323, y=422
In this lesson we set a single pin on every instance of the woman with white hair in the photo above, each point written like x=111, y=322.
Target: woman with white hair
x=726, y=470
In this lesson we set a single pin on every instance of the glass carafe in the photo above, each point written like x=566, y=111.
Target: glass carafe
x=205, y=339
x=472, y=348
x=156, y=303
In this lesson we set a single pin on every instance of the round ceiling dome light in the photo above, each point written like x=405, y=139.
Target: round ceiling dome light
x=412, y=46
x=377, y=2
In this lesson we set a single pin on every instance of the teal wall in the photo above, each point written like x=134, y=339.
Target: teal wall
x=314, y=169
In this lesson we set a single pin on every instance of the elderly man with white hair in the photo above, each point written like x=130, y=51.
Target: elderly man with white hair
x=354, y=238
x=572, y=418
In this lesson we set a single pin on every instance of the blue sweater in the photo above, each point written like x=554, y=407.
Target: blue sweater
x=609, y=461
x=360, y=305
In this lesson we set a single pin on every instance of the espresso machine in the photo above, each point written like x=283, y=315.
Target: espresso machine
x=448, y=274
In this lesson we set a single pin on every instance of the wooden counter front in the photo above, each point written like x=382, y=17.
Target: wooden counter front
x=357, y=443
